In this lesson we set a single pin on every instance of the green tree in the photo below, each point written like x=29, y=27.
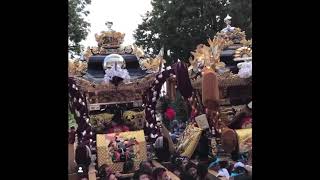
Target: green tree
x=78, y=27
x=241, y=13
x=180, y=26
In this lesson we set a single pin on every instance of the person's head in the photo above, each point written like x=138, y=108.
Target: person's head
x=112, y=176
x=191, y=170
x=239, y=168
x=142, y=175
x=160, y=174
x=104, y=170
x=82, y=155
x=184, y=162
x=146, y=166
x=128, y=166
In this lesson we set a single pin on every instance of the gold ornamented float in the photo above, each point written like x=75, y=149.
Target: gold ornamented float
x=114, y=75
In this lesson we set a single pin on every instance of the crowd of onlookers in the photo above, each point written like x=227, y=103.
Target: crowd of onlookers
x=185, y=171
x=183, y=168
x=147, y=171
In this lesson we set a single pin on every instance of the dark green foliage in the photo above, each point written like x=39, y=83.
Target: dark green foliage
x=241, y=13
x=78, y=28
x=181, y=25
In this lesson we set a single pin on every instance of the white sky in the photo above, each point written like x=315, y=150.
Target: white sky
x=125, y=15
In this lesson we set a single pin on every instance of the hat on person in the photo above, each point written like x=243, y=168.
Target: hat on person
x=223, y=172
x=238, y=164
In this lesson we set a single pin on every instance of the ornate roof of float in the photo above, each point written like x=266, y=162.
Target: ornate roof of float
x=110, y=38
x=110, y=42
x=209, y=56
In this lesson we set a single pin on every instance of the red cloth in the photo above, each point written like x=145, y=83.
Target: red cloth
x=117, y=129
x=170, y=113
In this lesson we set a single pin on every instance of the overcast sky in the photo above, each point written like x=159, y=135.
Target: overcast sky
x=125, y=15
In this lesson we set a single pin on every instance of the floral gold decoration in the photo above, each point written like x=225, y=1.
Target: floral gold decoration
x=189, y=140
x=243, y=53
x=87, y=53
x=247, y=43
x=244, y=139
x=152, y=65
x=77, y=67
x=236, y=36
x=138, y=51
x=98, y=121
x=134, y=118
x=208, y=56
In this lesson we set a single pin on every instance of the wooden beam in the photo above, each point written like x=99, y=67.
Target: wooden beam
x=73, y=176
x=71, y=158
x=92, y=173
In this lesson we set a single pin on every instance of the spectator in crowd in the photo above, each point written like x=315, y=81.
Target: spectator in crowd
x=239, y=170
x=146, y=166
x=72, y=135
x=191, y=172
x=142, y=175
x=160, y=174
x=83, y=156
x=112, y=176
x=104, y=171
x=176, y=170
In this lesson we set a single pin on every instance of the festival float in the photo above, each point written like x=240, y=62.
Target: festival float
x=117, y=101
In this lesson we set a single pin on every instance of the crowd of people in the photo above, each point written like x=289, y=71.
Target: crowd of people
x=147, y=171
x=183, y=168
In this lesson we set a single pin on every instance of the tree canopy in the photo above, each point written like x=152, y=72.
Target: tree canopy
x=241, y=13
x=180, y=26
x=78, y=27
